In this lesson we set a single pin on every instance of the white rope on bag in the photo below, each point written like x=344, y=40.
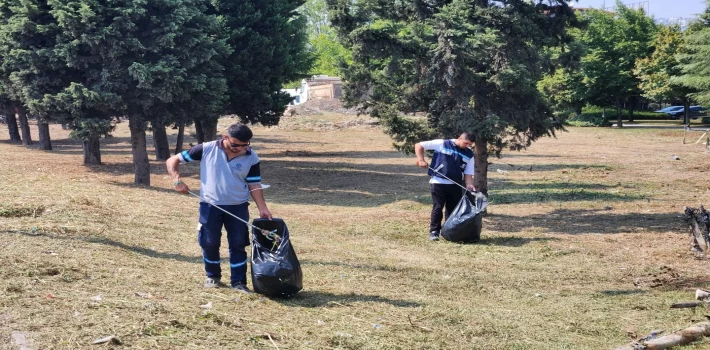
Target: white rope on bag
x=271, y=235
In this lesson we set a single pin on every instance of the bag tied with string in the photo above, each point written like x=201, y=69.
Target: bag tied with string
x=465, y=222
x=275, y=270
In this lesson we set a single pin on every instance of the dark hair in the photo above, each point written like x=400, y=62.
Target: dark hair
x=469, y=136
x=240, y=132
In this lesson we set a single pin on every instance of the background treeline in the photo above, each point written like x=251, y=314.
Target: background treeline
x=511, y=71
x=156, y=63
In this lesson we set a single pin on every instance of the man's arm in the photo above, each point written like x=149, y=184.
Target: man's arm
x=469, y=182
x=173, y=165
x=468, y=175
x=258, y=195
x=419, y=151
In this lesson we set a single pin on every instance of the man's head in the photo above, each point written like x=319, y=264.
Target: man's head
x=466, y=140
x=238, y=137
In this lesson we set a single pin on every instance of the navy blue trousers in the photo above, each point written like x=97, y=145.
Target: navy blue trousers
x=209, y=236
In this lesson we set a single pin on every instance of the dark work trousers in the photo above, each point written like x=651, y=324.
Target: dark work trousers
x=209, y=235
x=443, y=195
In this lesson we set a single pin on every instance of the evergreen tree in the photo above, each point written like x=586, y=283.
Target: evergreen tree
x=268, y=39
x=470, y=65
x=145, y=60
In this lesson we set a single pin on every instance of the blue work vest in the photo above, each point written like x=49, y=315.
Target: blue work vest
x=454, y=160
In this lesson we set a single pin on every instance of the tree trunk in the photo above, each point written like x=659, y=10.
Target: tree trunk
x=12, y=128
x=160, y=142
x=619, y=123
x=681, y=337
x=480, y=179
x=686, y=111
x=140, y=152
x=209, y=128
x=24, y=127
x=198, y=131
x=180, y=138
x=45, y=142
x=92, y=150
x=632, y=105
x=578, y=111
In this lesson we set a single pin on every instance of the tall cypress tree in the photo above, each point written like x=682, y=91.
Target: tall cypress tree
x=471, y=65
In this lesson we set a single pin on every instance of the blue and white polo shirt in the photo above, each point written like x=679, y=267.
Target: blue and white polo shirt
x=223, y=181
x=461, y=161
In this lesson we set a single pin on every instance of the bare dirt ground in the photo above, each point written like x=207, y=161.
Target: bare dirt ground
x=584, y=247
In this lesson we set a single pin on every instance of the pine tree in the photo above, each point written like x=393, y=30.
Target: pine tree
x=143, y=59
x=470, y=65
x=268, y=40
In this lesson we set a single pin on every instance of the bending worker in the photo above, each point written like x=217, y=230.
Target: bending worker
x=454, y=160
x=229, y=173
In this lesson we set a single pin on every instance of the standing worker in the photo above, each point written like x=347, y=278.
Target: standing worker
x=454, y=160
x=229, y=173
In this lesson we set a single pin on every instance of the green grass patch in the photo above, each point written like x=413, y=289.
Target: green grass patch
x=20, y=211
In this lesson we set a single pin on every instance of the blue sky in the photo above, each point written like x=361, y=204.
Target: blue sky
x=657, y=8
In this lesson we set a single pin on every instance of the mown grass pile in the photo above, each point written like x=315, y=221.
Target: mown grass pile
x=584, y=247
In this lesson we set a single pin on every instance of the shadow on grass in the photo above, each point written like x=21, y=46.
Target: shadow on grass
x=588, y=221
x=105, y=241
x=353, y=266
x=512, y=241
x=495, y=167
x=561, y=194
x=612, y=293
x=311, y=298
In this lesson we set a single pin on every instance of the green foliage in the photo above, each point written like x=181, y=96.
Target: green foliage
x=592, y=116
x=85, y=129
x=470, y=65
x=613, y=44
x=268, y=39
x=655, y=71
x=694, y=62
x=328, y=54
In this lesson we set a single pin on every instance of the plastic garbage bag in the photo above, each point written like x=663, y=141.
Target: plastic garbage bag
x=465, y=222
x=275, y=270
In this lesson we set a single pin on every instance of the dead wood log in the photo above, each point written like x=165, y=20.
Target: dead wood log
x=698, y=221
x=685, y=305
x=682, y=337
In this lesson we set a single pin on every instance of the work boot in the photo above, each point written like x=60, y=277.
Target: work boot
x=433, y=236
x=241, y=287
x=211, y=282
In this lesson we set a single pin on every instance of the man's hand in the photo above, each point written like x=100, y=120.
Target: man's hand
x=265, y=213
x=422, y=164
x=181, y=187
x=470, y=188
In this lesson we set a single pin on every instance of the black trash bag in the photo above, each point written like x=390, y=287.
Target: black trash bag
x=275, y=270
x=465, y=222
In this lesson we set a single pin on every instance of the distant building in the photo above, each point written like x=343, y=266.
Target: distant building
x=317, y=86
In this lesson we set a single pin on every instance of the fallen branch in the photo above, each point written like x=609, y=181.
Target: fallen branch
x=685, y=305
x=682, y=337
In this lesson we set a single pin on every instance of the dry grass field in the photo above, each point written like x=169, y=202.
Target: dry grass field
x=584, y=247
